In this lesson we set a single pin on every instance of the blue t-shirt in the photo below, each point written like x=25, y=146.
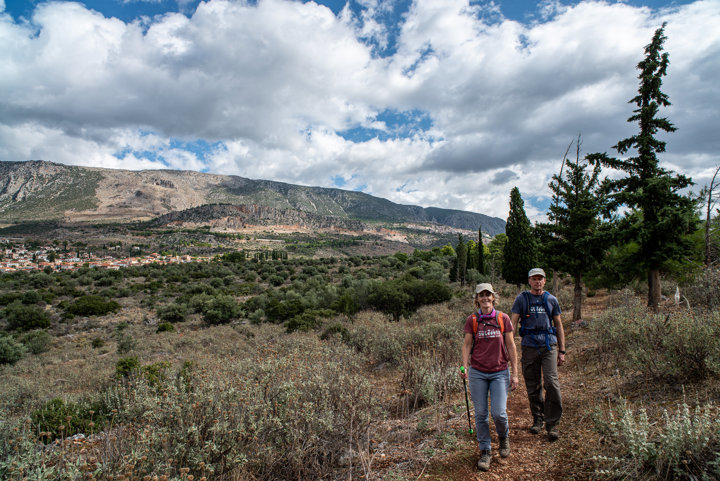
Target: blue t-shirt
x=538, y=317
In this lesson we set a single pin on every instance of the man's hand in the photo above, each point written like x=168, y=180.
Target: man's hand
x=561, y=359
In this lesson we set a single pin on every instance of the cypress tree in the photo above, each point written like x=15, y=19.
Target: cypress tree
x=454, y=269
x=472, y=259
x=461, y=251
x=481, y=253
x=519, y=254
x=496, y=247
x=660, y=216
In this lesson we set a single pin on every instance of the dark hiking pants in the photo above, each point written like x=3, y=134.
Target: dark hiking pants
x=539, y=368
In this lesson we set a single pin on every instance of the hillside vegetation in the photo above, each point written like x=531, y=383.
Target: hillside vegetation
x=254, y=369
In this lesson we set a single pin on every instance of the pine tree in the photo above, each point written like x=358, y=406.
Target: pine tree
x=576, y=237
x=660, y=216
x=519, y=254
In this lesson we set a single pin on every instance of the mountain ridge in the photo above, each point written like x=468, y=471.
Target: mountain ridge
x=42, y=190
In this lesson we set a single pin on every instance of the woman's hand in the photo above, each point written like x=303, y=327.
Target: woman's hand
x=463, y=373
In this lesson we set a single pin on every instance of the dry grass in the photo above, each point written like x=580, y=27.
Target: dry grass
x=401, y=374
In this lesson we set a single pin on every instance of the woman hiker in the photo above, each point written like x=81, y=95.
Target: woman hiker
x=487, y=348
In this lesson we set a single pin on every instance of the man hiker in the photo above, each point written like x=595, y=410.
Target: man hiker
x=537, y=313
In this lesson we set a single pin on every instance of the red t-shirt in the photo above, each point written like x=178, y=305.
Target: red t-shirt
x=489, y=353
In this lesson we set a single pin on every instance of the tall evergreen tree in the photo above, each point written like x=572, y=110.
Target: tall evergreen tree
x=575, y=238
x=660, y=216
x=461, y=251
x=708, y=193
x=481, y=254
x=453, y=274
x=520, y=252
x=496, y=247
x=472, y=257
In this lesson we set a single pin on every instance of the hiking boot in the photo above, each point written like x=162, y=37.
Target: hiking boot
x=537, y=426
x=504, y=447
x=483, y=463
x=552, y=433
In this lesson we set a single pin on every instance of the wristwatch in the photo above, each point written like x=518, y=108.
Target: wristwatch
x=561, y=352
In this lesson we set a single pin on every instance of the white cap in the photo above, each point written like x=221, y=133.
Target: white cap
x=536, y=272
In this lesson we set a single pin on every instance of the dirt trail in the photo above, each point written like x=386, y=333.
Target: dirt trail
x=533, y=457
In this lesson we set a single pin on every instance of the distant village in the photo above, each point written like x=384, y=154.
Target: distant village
x=21, y=257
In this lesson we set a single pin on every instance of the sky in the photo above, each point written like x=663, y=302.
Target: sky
x=443, y=103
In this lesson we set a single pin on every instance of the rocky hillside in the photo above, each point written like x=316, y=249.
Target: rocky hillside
x=239, y=216
x=39, y=190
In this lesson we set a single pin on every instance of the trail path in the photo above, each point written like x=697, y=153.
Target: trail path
x=533, y=457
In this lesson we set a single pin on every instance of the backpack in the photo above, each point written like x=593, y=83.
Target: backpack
x=499, y=323
x=548, y=310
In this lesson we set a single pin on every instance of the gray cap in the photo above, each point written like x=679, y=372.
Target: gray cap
x=536, y=272
x=484, y=287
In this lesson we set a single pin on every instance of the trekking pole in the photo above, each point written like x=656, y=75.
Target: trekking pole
x=467, y=404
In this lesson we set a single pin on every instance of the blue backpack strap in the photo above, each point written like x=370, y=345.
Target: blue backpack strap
x=546, y=302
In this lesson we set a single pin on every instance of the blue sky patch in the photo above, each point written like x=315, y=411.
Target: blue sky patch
x=397, y=125
x=338, y=181
x=199, y=147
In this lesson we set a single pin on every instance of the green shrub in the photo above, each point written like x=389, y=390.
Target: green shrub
x=276, y=280
x=126, y=366
x=308, y=320
x=97, y=343
x=32, y=297
x=172, y=313
x=220, y=310
x=125, y=342
x=92, y=306
x=156, y=373
x=346, y=303
x=37, y=342
x=23, y=317
x=404, y=296
x=11, y=351
x=335, y=329
x=165, y=327
x=62, y=419
x=9, y=297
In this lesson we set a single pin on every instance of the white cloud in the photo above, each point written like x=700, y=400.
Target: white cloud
x=276, y=82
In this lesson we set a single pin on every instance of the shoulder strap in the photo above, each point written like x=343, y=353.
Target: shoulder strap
x=528, y=301
x=475, y=325
x=500, y=322
x=546, y=303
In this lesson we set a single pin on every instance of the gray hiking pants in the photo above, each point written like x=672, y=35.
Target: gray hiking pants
x=539, y=368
